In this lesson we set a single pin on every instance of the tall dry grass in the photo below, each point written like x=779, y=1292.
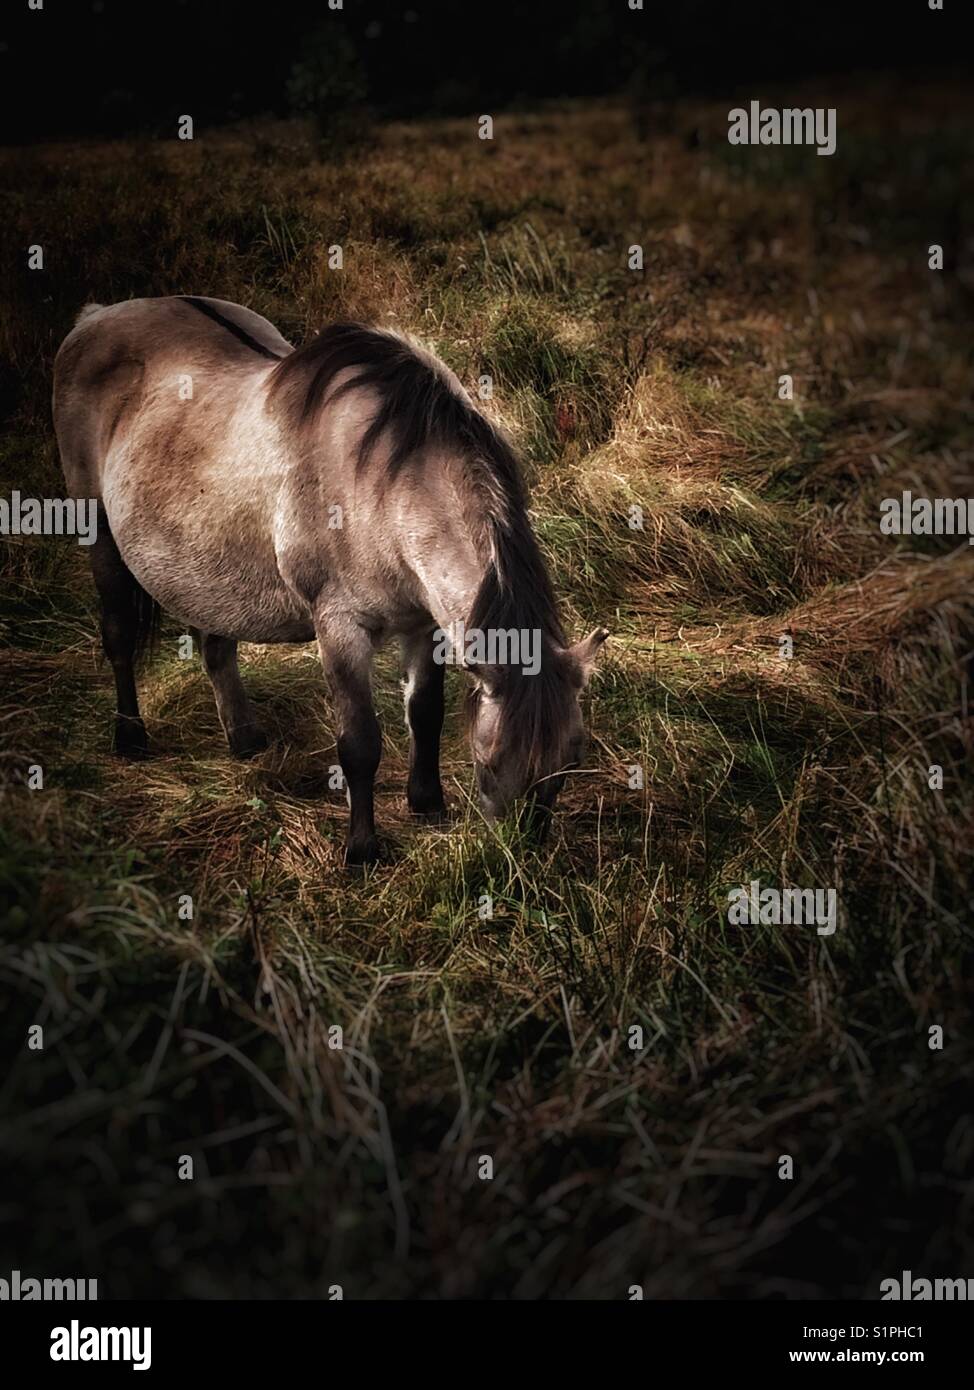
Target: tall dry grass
x=511, y=1037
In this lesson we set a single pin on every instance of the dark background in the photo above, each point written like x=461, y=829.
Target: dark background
x=118, y=67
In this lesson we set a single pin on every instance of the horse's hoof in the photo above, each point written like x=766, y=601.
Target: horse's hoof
x=363, y=855
x=248, y=742
x=131, y=740
x=428, y=805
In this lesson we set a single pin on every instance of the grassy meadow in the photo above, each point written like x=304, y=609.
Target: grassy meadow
x=510, y=1037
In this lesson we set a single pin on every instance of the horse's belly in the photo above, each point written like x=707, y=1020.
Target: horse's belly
x=217, y=573
x=260, y=613
x=244, y=601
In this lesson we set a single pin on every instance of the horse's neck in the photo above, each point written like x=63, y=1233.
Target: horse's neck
x=447, y=562
x=450, y=572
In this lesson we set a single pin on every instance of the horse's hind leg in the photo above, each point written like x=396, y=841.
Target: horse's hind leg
x=424, y=717
x=244, y=734
x=127, y=617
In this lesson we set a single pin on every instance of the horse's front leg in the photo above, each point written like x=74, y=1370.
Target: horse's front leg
x=346, y=659
x=423, y=700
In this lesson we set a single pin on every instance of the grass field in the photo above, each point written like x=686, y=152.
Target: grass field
x=510, y=1037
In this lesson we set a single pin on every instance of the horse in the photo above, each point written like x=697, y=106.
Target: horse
x=347, y=491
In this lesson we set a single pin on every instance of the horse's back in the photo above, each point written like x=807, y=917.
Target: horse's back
x=118, y=356
x=153, y=326
x=158, y=409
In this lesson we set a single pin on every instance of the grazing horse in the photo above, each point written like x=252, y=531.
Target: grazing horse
x=345, y=491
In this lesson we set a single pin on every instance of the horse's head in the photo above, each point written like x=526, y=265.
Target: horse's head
x=526, y=731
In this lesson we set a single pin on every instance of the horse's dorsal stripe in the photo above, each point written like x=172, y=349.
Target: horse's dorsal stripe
x=240, y=333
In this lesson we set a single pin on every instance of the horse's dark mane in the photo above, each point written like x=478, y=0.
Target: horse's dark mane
x=420, y=406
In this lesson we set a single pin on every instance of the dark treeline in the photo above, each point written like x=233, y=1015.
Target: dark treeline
x=119, y=67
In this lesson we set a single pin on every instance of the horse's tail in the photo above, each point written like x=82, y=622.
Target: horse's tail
x=148, y=617
x=143, y=612
x=87, y=311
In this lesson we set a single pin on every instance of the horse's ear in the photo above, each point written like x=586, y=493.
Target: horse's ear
x=585, y=653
